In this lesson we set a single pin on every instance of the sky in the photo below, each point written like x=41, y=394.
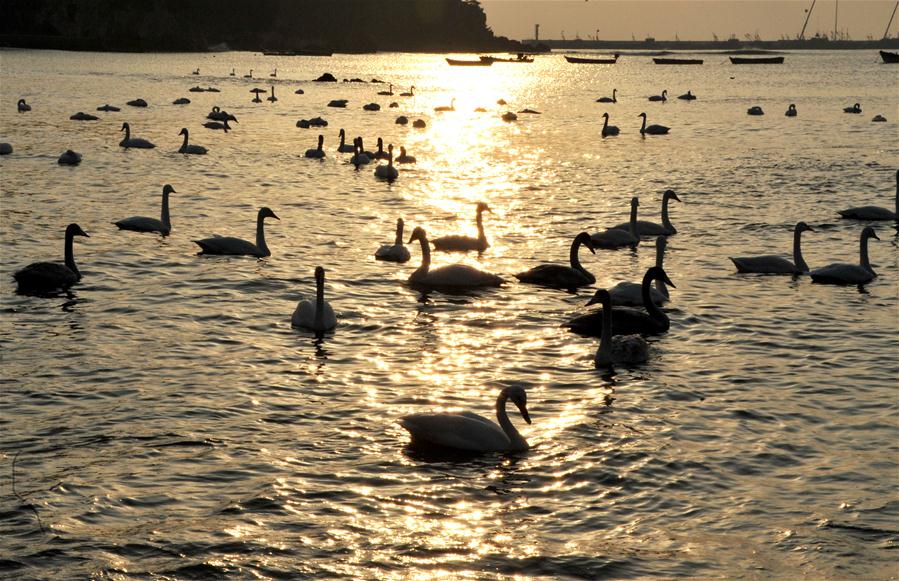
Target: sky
x=688, y=19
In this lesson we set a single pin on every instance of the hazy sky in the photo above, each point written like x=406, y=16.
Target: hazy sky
x=689, y=19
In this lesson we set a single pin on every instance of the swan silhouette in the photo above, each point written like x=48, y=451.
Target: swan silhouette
x=561, y=276
x=631, y=293
x=662, y=97
x=317, y=316
x=616, y=348
x=271, y=98
x=344, y=147
x=318, y=152
x=615, y=237
x=188, y=148
x=791, y=111
x=144, y=224
x=137, y=103
x=181, y=101
x=387, y=172
x=388, y=92
x=409, y=93
x=878, y=119
x=460, y=243
x=843, y=273
x=82, y=116
x=395, y=252
x=107, y=107
x=45, y=277
x=5, y=148
x=688, y=96
x=359, y=157
x=233, y=73
x=755, y=110
x=274, y=73
x=453, y=276
x=229, y=245
x=770, y=264
x=608, y=130
x=874, y=212
x=652, y=129
x=854, y=109
x=133, y=142
x=249, y=75
x=218, y=115
x=451, y=107
x=223, y=125
x=22, y=106
x=69, y=157
x=470, y=432
x=380, y=153
x=648, y=228
x=611, y=99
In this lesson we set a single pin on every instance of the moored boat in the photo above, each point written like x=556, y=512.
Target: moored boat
x=586, y=61
x=521, y=58
x=889, y=57
x=767, y=60
x=468, y=63
x=669, y=61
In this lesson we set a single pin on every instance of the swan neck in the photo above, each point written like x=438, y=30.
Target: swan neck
x=863, y=253
x=665, y=221
x=632, y=226
x=643, y=128
x=398, y=241
x=319, y=303
x=605, y=339
x=573, y=256
x=654, y=311
x=479, y=220
x=605, y=123
x=164, y=218
x=70, y=255
x=425, y=255
x=801, y=266
x=516, y=440
x=660, y=257
x=127, y=133
x=184, y=144
x=260, y=236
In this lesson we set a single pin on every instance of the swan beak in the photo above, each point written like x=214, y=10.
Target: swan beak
x=592, y=249
x=524, y=413
x=593, y=300
x=667, y=281
x=874, y=236
x=279, y=219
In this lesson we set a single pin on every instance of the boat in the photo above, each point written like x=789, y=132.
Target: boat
x=767, y=60
x=889, y=57
x=667, y=61
x=468, y=63
x=586, y=61
x=521, y=58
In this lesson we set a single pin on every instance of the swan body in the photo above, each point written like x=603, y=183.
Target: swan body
x=404, y=157
x=137, y=103
x=388, y=92
x=44, y=277
x=470, y=432
x=879, y=119
x=459, y=243
x=652, y=129
x=854, y=109
x=69, y=157
x=454, y=276
x=617, y=348
x=107, y=108
x=409, y=93
x=402, y=120
x=611, y=99
x=615, y=237
x=5, y=148
x=218, y=115
x=318, y=152
x=608, y=130
x=559, y=275
x=419, y=124
x=842, y=273
x=387, y=172
x=181, y=101
x=627, y=320
x=662, y=97
x=81, y=116
x=345, y=147
x=229, y=245
x=509, y=116
x=22, y=106
x=188, y=148
x=450, y=107
x=315, y=315
x=339, y=103
x=223, y=125
x=196, y=89
x=371, y=107
x=874, y=212
x=770, y=264
x=133, y=142
x=791, y=111
x=396, y=252
x=688, y=96
x=648, y=228
x=631, y=293
x=755, y=110
x=145, y=224
x=380, y=153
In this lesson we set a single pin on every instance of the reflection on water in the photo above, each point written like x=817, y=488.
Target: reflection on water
x=172, y=423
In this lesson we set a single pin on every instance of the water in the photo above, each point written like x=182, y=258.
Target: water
x=169, y=422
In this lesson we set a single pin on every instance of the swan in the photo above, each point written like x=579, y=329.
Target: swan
x=615, y=237
x=854, y=109
x=402, y=120
x=317, y=316
x=271, y=98
x=5, y=148
x=344, y=147
x=387, y=172
x=652, y=129
x=755, y=110
x=627, y=320
x=107, y=107
x=371, y=107
x=405, y=157
x=631, y=293
x=223, y=125
x=842, y=273
x=470, y=432
x=189, y=148
x=460, y=243
x=509, y=116
x=648, y=228
x=135, y=142
x=181, y=101
x=69, y=157
x=419, y=124
x=249, y=75
x=339, y=103
x=137, y=103
x=43, y=277
x=451, y=107
x=197, y=89
x=561, y=276
x=274, y=73
x=612, y=99
x=233, y=73
x=196, y=72
x=81, y=116
x=144, y=224
x=688, y=96
x=616, y=348
x=393, y=105
x=874, y=212
x=318, y=152
x=218, y=115
x=236, y=246
x=878, y=119
x=395, y=252
x=607, y=129
x=381, y=154
x=409, y=93
x=456, y=276
x=662, y=97
x=388, y=92
x=299, y=92
x=791, y=111
x=22, y=106
x=359, y=157
x=771, y=264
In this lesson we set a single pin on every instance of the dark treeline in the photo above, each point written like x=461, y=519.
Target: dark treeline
x=197, y=25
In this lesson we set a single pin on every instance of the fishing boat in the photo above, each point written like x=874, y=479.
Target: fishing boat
x=521, y=58
x=669, y=61
x=889, y=57
x=766, y=60
x=468, y=63
x=586, y=61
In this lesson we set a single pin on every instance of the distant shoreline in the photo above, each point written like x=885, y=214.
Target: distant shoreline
x=723, y=45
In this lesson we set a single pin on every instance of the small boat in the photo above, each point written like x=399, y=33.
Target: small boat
x=586, y=61
x=767, y=60
x=889, y=57
x=468, y=63
x=521, y=58
x=668, y=61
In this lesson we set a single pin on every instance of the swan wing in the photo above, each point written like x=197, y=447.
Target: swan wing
x=868, y=213
x=554, y=275
x=629, y=349
x=769, y=264
x=644, y=228
x=613, y=238
x=228, y=245
x=304, y=314
x=42, y=276
x=631, y=294
x=625, y=321
x=842, y=273
x=459, y=275
x=393, y=253
x=141, y=224
x=459, y=431
x=457, y=243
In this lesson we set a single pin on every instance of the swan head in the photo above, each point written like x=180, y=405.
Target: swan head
x=869, y=232
x=168, y=189
x=125, y=126
x=658, y=273
x=400, y=224
x=517, y=395
x=606, y=115
x=483, y=207
x=643, y=115
x=601, y=297
x=670, y=195
x=216, y=109
x=665, y=92
x=75, y=230
x=803, y=227
x=21, y=102
x=380, y=144
x=418, y=234
x=266, y=212
x=584, y=239
x=341, y=133
x=183, y=131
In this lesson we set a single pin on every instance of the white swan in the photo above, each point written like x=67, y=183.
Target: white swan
x=611, y=99
x=135, y=142
x=842, y=273
x=631, y=293
x=188, y=148
x=22, y=106
x=470, y=432
x=451, y=107
x=616, y=348
x=317, y=316
x=144, y=224
x=318, y=152
x=649, y=228
x=457, y=276
x=662, y=97
x=561, y=276
x=344, y=147
x=387, y=172
x=608, y=130
x=874, y=212
x=770, y=264
x=271, y=98
x=405, y=157
x=615, y=237
x=229, y=245
x=460, y=243
x=791, y=111
x=44, y=277
x=396, y=252
x=652, y=129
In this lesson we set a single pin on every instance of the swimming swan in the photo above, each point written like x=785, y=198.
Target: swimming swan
x=854, y=109
x=842, y=273
x=409, y=93
x=5, y=148
x=395, y=252
x=791, y=111
x=688, y=96
x=771, y=264
x=405, y=157
x=69, y=157
x=135, y=142
x=380, y=154
x=344, y=147
x=452, y=276
x=318, y=152
x=317, y=316
x=189, y=148
x=631, y=293
x=43, y=277
x=228, y=245
x=608, y=130
x=470, y=432
x=561, y=276
x=144, y=224
x=22, y=106
x=616, y=348
x=459, y=243
x=218, y=125
x=387, y=172
x=662, y=97
x=652, y=129
x=451, y=107
x=755, y=110
x=359, y=157
x=615, y=237
x=388, y=92
x=648, y=228
x=874, y=212
x=218, y=115
x=611, y=99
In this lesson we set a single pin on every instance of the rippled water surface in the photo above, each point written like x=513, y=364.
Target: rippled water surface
x=169, y=422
